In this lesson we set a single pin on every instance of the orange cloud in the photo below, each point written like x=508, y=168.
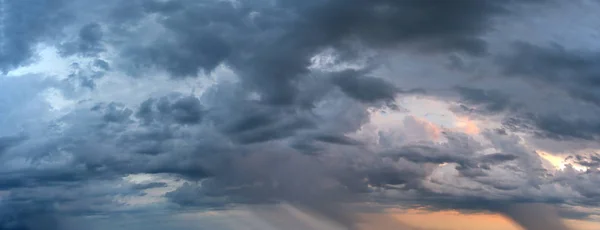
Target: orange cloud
x=431, y=130
x=466, y=125
x=453, y=220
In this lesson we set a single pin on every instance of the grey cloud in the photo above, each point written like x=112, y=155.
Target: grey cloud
x=176, y=108
x=152, y=141
x=366, y=89
x=150, y=185
x=238, y=140
x=266, y=178
x=115, y=112
x=476, y=168
x=195, y=196
x=102, y=148
x=37, y=208
x=262, y=173
x=83, y=76
x=560, y=128
x=20, y=220
x=573, y=71
x=582, y=182
x=102, y=64
x=460, y=150
x=555, y=126
x=91, y=33
x=498, y=157
x=205, y=51
x=24, y=25
x=406, y=168
x=266, y=127
x=535, y=217
x=592, y=160
x=356, y=18
x=88, y=42
x=163, y=6
x=492, y=100
x=7, y=142
x=336, y=139
x=423, y=154
x=248, y=121
x=274, y=72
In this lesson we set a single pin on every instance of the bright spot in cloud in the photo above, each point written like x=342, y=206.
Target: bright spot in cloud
x=48, y=62
x=557, y=161
x=466, y=125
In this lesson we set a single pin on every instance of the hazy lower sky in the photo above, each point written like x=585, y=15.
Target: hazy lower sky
x=290, y=114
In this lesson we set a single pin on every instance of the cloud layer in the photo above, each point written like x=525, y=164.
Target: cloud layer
x=332, y=107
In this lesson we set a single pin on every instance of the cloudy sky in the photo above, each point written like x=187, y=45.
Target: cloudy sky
x=300, y=115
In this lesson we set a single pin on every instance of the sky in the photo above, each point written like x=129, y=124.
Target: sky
x=308, y=115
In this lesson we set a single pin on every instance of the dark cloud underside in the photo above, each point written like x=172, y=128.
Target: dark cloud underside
x=282, y=129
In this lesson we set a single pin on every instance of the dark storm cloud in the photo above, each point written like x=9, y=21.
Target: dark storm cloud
x=190, y=195
x=274, y=132
x=429, y=154
x=574, y=71
x=452, y=25
x=88, y=43
x=24, y=25
x=529, y=215
x=176, y=108
x=366, y=89
x=25, y=218
x=114, y=112
x=535, y=216
x=281, y=37
x=492, y=100
x=103, y=147
x=249, y=121
x=555, y=126
x=7, y=142
x=46, y=206
x=250, y=179
x=268, y=176
x=35, y=178
x=184, y=58
x=239, y=141
x=498, y=158
x=336, y=139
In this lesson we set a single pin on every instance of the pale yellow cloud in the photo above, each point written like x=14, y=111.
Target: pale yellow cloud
x=558, y=162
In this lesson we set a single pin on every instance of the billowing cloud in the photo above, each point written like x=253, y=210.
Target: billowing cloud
x=324, y=110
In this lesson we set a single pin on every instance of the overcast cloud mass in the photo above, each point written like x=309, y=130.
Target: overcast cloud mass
x=289, y=114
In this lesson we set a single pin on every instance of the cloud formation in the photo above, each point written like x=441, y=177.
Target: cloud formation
x=323, y=105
